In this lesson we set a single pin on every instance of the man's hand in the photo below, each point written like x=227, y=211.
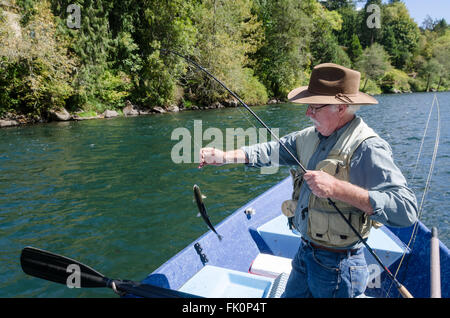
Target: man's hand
x=324, y=185
x=211, y=156
x=321, y=183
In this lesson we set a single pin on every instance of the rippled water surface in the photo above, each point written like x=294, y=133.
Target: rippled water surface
x=107, y=193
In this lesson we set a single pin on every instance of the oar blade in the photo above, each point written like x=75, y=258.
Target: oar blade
x=59, y=269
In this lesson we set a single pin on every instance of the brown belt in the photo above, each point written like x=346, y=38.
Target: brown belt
x=329, y=249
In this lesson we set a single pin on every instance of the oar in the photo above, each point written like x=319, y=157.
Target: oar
x=69, y=272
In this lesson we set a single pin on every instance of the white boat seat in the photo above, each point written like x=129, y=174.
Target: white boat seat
x=218, y=282
x=270, y=265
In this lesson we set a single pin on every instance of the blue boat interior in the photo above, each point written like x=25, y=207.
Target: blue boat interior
x=253, y=258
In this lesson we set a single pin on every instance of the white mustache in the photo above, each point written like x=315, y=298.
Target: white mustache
x=315, y=122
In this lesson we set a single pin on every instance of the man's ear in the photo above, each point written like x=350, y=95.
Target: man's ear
x=342, y=108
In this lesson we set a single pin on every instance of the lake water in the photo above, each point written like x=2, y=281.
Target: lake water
x=107, y=192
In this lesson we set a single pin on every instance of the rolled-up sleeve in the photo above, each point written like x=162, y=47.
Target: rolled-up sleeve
x=372, y=167
x=271, y=153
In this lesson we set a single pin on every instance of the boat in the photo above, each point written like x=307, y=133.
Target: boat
x=253, y=257
x=249, y=256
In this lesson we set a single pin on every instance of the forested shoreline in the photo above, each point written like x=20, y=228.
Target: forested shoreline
x=90, y=56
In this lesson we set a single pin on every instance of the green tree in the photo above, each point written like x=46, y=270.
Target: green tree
x=298, y=34
x=123, y=23
x=325, y=47
x=351, y=25
x=441, y=52
x=93, y=45
x=162, y=24
x=441, y=26
x=370, y=32
x=35, y=65
x=395, y=81
x=438, y=25
x=228, y=32
x=355, y=50
x=281, y=60
x=373, y=63
x=400, y=35
x=429, y=70
x=337, y=4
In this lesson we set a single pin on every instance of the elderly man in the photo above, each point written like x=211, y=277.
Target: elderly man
x=347, y=162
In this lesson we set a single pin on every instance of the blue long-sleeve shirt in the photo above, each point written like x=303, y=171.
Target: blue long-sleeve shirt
x=371, y=167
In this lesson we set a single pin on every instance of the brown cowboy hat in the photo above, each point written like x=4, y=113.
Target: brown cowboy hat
x=332, y=84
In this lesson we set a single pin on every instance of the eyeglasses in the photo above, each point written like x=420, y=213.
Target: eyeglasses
x=315, y=109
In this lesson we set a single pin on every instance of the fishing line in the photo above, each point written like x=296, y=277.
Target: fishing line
x=423, y=139
x=412, y=239
x=433, y=160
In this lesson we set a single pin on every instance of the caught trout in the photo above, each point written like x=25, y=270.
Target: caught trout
x=202, y=209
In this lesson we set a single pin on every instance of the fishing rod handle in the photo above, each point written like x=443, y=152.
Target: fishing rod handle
x=404, y=292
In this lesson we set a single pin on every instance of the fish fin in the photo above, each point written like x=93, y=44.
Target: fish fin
x=198, y=214
x=203, y=197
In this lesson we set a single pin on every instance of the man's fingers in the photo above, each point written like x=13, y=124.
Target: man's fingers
x=210, y=156
x=308, y=175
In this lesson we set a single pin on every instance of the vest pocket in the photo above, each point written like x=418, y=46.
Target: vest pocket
x=288, y=208
x=329, y=229
x=318, y=227
x=341, y=234
x=334, y=167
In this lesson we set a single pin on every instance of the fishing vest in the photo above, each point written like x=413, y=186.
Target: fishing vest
x=325, y=225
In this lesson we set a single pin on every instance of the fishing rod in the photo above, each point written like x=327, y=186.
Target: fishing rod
x=402, y=290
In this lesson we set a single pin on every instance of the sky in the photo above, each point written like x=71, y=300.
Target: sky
x=437, y=9
x=419, y=9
